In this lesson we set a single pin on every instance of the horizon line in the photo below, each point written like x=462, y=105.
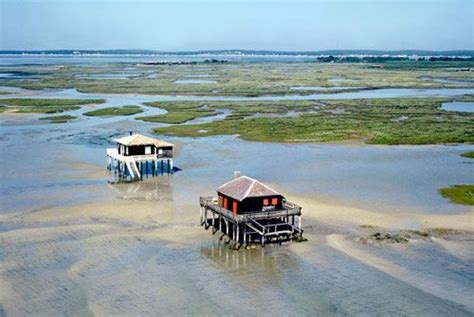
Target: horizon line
x=228, y=50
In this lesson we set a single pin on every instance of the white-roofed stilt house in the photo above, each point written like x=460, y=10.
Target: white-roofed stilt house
x=137, y=156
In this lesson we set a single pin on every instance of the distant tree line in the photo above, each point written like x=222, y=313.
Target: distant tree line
x=384, y=59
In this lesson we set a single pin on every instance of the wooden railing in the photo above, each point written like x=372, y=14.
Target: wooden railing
x=288, y=209
x=209, y=202
x=115, y=154
x=255, y=225
x=165, y=154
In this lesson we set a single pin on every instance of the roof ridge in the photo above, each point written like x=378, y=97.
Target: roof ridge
x=244, y=186
x=250, y=187
x=232, y=180
x=268, y=187
x=140, y=138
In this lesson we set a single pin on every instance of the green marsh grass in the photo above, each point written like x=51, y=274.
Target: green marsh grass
x=469, y=154
x=59, y=119
x=376, y=121
x=45, y=105
x=178, y=112
x=459, y=194
x=114, y=111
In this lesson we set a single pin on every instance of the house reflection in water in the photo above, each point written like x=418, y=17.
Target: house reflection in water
x=156, y=189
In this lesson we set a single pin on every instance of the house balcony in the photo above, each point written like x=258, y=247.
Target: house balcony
x=113, y=153
x=288, y=209
x=165, y=154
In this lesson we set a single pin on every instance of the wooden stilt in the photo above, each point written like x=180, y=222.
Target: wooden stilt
x=200, y=215
x=245, y=235
x=238, y=237
x=232, y=240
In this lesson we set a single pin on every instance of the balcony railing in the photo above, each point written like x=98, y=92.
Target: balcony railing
x=288, y=209
x=165, y=154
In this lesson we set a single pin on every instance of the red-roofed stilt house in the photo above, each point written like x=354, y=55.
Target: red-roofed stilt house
x=248, y=211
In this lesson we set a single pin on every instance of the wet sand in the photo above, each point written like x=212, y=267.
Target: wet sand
x=438, y=286
x=138, y=254
x=336, y=214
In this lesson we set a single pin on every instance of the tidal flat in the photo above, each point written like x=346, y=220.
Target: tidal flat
x=72, y=244
x=239, y=79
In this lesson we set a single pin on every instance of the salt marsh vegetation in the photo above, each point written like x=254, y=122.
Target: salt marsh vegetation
x=35, y=105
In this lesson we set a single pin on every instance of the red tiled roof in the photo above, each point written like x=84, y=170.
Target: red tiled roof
x=245, y=187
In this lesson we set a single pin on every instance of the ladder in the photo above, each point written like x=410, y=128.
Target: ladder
x=133, y=169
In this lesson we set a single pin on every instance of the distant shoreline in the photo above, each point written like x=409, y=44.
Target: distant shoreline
x=237, y=52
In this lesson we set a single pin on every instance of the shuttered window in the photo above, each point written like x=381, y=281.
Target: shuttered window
x=226, y=203
x=234, y=207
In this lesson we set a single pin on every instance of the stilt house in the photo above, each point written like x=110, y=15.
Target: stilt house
x=137, y=156
x=248, y=211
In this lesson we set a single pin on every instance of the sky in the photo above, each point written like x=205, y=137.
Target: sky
x=237, y=24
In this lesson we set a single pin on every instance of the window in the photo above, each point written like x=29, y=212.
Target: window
x=274, y=201
x=266, y=202
x=147, y=150
x=226, y=203
x=234, y=207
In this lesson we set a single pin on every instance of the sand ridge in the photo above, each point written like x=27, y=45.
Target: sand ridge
x=434, y=285
x=341, y=215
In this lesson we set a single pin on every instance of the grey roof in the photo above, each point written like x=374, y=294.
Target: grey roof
x=244, y=187
x=139, y=139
